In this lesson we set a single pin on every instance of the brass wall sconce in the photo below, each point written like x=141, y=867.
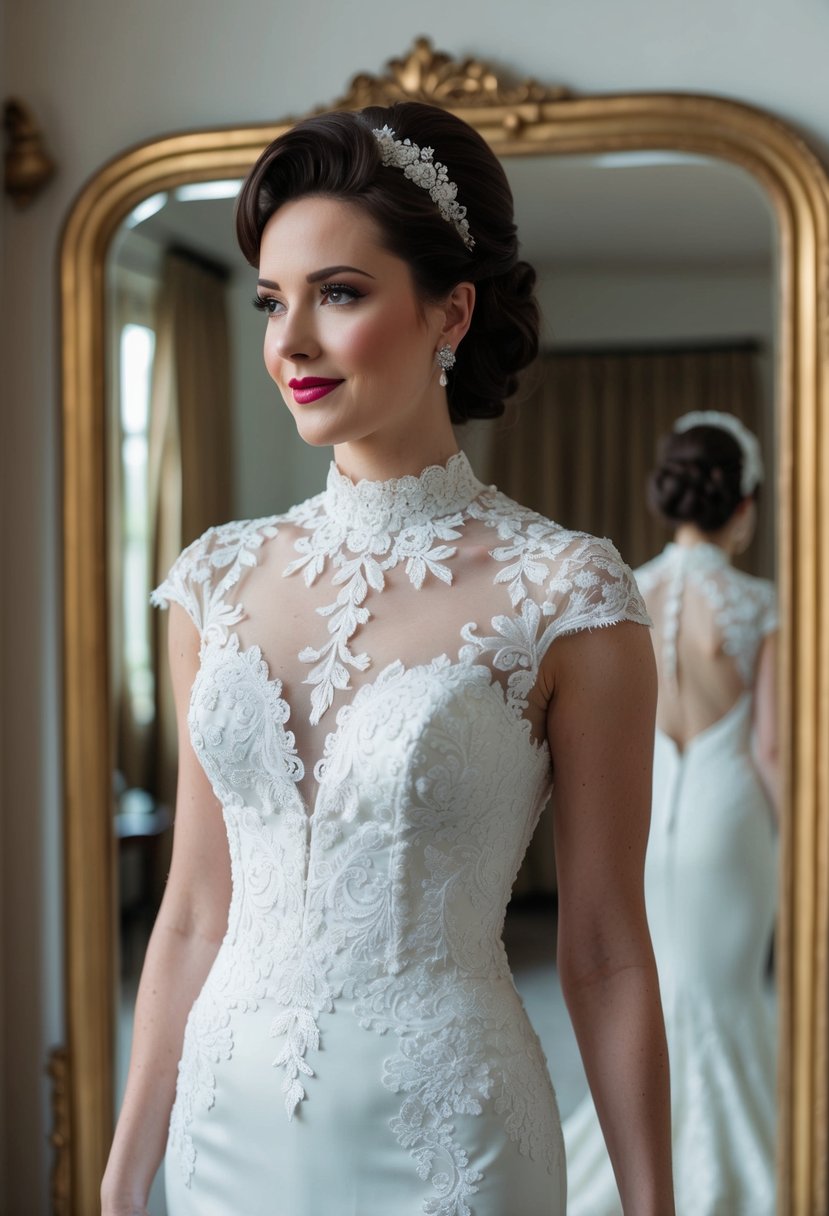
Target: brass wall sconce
x=28, y=166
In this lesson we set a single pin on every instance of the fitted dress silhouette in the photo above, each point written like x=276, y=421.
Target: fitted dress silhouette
x=711, y=892
x=367, y=711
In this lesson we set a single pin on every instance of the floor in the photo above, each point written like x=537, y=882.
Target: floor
x=530, y=940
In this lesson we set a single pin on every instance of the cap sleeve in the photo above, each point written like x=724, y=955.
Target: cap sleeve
x=592, y=589
x=769, y=612
x=204, y=573
x=647, y=577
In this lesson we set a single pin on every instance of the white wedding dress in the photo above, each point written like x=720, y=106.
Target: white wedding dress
x=711, y=891
x=366, y=711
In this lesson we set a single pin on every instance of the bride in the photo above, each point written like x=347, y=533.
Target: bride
x=710, y=874
x=374, y=691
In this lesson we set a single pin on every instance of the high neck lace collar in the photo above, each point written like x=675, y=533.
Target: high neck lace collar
x=388, y=506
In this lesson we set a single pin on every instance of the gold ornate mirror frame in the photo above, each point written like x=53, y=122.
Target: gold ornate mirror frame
x=518, y=121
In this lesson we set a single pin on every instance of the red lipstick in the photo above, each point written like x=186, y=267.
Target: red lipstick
x=311, y=388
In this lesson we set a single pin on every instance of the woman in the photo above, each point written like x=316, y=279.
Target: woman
x=710, y=870
x=370, y=690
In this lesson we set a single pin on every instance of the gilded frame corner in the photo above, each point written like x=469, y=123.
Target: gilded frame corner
x=517, y=120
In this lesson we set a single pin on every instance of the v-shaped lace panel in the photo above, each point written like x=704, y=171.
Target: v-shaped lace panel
x=393, y=895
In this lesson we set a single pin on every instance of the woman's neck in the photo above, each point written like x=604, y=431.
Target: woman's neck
x=409, y=455
x=688, y=535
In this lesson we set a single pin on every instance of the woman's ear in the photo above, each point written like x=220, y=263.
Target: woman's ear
x=458, y=310
x=744, y=521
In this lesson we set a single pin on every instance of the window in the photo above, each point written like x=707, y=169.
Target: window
x=137, y=346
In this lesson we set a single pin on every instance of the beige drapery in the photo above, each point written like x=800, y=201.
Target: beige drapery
x=190, y=456
x=581, y=438
x=578, y=443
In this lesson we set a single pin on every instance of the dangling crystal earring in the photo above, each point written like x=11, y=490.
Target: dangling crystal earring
x=446, y=361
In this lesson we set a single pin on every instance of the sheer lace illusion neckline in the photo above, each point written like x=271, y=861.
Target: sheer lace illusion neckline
x=388, y=506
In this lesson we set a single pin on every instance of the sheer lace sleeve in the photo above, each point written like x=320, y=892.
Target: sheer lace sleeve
x=768, y=612
x=647, y=576
x=203, y=574
x=591, y=587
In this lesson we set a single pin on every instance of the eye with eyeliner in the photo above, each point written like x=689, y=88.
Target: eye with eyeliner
x=263, y=304
x=330, y=289
x=328, y=292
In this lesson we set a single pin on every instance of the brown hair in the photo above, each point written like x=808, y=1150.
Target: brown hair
x=698, y=478
x=336, y=155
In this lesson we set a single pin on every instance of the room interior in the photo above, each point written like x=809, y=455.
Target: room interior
x=684, y=230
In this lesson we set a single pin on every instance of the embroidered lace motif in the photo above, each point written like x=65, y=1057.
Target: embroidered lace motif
x=744, y=608
x=389, y=898
x=367, y=530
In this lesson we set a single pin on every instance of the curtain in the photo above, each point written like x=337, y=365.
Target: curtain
x=577, y=444
x=190, y=447
x=580, y=438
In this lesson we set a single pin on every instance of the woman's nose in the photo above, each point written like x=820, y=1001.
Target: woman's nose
x=295, y=337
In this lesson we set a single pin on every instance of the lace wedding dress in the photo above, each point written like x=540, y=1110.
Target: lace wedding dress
x=711, y=893
x=366, y=710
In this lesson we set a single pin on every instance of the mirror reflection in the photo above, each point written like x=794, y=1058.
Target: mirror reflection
x=656, y=285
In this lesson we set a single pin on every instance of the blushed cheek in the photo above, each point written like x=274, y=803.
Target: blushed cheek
x=271, y=358
x=382, y=340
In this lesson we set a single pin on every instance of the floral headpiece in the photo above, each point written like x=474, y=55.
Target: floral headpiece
x=420, y=167
x=752, y=471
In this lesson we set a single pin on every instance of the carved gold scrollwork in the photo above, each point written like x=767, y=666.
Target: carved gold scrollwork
x=432, y=76
x=58, y=1070
x=28, y=166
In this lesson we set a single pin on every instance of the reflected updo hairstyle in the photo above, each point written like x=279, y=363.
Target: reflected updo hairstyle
x=336, y=155
x=698, y=478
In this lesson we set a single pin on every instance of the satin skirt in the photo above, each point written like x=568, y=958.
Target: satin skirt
x=338, y=1155
x=711, y=895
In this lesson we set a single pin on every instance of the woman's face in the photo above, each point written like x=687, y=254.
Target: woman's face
x=349, y=345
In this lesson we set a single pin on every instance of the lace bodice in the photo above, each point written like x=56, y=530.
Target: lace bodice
x=709, y=622
x=367, y=712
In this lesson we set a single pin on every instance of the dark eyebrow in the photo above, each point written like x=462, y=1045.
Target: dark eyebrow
x=318, y=275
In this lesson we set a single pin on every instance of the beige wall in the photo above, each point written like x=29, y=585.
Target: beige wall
x=4, y=628
x=101, y=75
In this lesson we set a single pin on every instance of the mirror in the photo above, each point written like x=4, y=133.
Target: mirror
x=657, y=252
x=656, y=279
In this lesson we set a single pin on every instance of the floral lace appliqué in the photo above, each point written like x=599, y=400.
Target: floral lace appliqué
x=390, y=898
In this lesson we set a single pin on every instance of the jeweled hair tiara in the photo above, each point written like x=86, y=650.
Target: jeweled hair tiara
x=419, y=165
x=752, y=470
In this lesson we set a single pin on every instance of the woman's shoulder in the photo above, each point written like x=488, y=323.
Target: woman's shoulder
x=758, y=596
x=579, y=580
x=763, y=588
x=211, y=555
x=529, y=529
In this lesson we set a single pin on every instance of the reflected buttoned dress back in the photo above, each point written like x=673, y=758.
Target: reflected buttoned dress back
x=711, y=894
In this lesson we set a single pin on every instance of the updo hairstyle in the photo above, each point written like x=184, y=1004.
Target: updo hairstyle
x=697, y=480
x=336, y=155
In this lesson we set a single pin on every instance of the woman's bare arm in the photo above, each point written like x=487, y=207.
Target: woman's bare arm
x=188, y=931
x=766, y=720
x=601, y=730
